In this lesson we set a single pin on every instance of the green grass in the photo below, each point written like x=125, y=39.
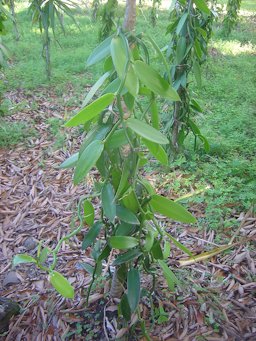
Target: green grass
x=222, y=180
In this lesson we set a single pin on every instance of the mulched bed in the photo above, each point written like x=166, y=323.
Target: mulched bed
x=38, y=202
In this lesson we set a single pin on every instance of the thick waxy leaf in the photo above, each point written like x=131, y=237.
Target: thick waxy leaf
x=130, y=200
x=61, y=284
x=201, y=4
x=98, y=133
x=171, y=279
x=133, y=288
x=87, y=160
x=127, y=257
x=157, y=151
x=70, y=162
x=94, y=88
x=125, y=307
x=181, y=23
x=154, y=115
x=123, y=242
x=151, y=78
x=91, y=111
x=181, y=49
x=108, y=201
x=146, y=131
x=167, y=249
x=120, y=57
x=157, y=250
x=114, y=86
x=117, y=140
x=149, y=241
x=197, y=73
x=126, y=215
x=101, y=52
x=171, y=209
x=22, y=258
x=125, y=229
x=88, y=212
x=91, y=235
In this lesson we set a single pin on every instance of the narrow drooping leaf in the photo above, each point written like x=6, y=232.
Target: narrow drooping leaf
x=61, y=284
x=88, y=212
x=121, y=60
x=70, y=162
x=126, y=215
x=181, y=23
x=146, y=131
x=197, y=73
x=133, y=288
x=108, y=201
x=127, y=257
x=179, y=245
x=23, y=258
x=149, y=241
x=156, y=250
x=91, y=111
x=157, y=151
x=125, y=307
x=87, y=160
x=154, y=115
x=100, y=52
x=94, y=88
x=201, y=4
x=170, y=277
x=171, y=209
x=151, y=78
x=123, y=242
x=167, y=249
x=91, y=235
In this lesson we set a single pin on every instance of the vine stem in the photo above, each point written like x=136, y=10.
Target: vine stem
x=74, y=232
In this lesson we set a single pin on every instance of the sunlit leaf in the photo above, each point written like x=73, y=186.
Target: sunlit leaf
x=88, y=212
x=100, y=52
x=171, y=209
x=61, y=284
x=146, y=131
x=70, y=162
x=23, y=258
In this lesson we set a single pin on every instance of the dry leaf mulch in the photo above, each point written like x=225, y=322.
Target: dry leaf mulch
x=38, y=202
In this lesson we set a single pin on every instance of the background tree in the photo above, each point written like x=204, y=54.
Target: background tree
x=231, y=17
x=45, y=13
x=190, y=30
x=11, y=5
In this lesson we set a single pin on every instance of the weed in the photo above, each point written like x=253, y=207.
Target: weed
x=12, y=133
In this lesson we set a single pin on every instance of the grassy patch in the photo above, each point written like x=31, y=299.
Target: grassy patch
x=12, y=133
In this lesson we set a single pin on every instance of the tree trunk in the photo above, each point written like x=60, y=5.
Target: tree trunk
x=46, y=50
x=16, y=31
x=130, y=15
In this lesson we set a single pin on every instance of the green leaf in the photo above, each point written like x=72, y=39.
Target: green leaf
x=169, y=275
x=151, y=78
x=61, y=284
x=198, y=49
x=43, y=255
x=171, y=209
x=87, y=160
x=108, y=201
x=88, y=212
x=123, y=242
x=125, y=229
x=91, y=111
x=181, y=23
x=133, y=288
x=167, y=249
x=126, y=215
x=154, y=115
x=157, y=151
x=146, y=131
x=22, y=258
x=104, y=254
x=149, y=241
x=201, y=4
x=205, y=142
x=121, y=59
x=98, y=133
x=127, y=257
x=117, y=140
x=114, y=86
x=91, y=235
x=101, y=52
x=157, y=250
x=94, y=88
x=125, y=307
x=70, y=162
x=181, y=50
x=197, y=73
x=179, y=245
x=123, y=183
